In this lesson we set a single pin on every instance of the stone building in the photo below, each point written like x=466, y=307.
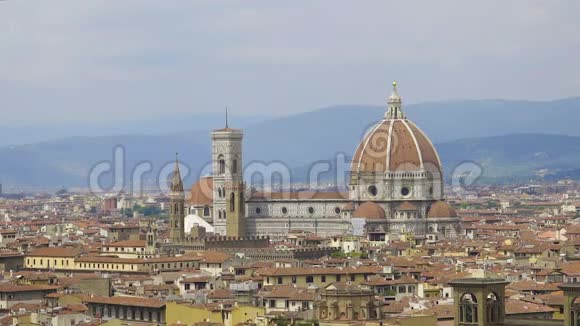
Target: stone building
x=479, y=301
x=396, y=180
x=344, y=301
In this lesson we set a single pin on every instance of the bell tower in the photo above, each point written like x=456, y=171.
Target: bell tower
x=176, y=207
x=479, y=301
x=151, y=236
x=228, y=192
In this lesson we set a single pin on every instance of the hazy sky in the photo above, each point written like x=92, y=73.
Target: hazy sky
x=66, y=61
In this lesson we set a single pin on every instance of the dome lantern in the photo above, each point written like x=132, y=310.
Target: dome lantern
x=395, y=110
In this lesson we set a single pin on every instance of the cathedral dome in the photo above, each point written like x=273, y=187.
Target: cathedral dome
x=395, y=144
x=441, y=209
x=406, y=206
x=369, y=210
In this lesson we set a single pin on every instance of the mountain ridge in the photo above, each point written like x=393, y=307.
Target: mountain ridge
x=461, y=131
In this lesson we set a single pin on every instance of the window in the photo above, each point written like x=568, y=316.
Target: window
x=232, y=202
x=323, y=278
x=221, y=164
x=310, y=210
x=235, y=166
x=309, y=279
x=338, y=278
x=405, y=192
x=258, y=210
x=468, y=309
x=373, y=191
x=337, y=210
x=352, y=277
x=279, y=280
x=294, y=279
x=284, y=210
x=206, y=211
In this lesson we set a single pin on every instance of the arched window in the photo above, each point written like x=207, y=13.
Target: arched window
x=206, y=211
x=468, y=309
x=232, y=202
x=492, y=308
x=221, y=164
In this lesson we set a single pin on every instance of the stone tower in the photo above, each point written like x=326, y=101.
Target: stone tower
x=479, y=301
x=228, y=184
x=176, y=207
x=151, y=236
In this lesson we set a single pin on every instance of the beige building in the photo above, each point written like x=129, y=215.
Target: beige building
x=319, y=277
x=346, y=302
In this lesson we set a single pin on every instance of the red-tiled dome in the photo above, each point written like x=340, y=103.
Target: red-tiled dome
x=369, y=210
x=441, y=209
x=406, y=206
x=395, y=144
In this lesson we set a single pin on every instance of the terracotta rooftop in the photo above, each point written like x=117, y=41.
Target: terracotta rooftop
x=202, y=192
x=369, y=210
x=55, y=252
x=8, y=287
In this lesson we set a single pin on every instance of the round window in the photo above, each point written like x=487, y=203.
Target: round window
x=310, y=210
x=337, y=210
x=373, y=191
x=284, y=210
x=258, y=210
x=405, y=191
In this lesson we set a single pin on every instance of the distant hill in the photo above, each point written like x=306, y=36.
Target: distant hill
x=516, y=157
x=462, y=130
x=443, y=121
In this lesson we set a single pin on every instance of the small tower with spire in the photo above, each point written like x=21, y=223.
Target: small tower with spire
x=395, y=110
x=176, y=206
x=151, y=236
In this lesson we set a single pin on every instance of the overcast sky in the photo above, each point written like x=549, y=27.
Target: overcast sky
x=90, y=60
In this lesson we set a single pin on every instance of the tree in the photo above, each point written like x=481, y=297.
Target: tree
x=281, y=321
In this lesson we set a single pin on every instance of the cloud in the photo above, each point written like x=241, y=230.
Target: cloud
x=71, y=60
